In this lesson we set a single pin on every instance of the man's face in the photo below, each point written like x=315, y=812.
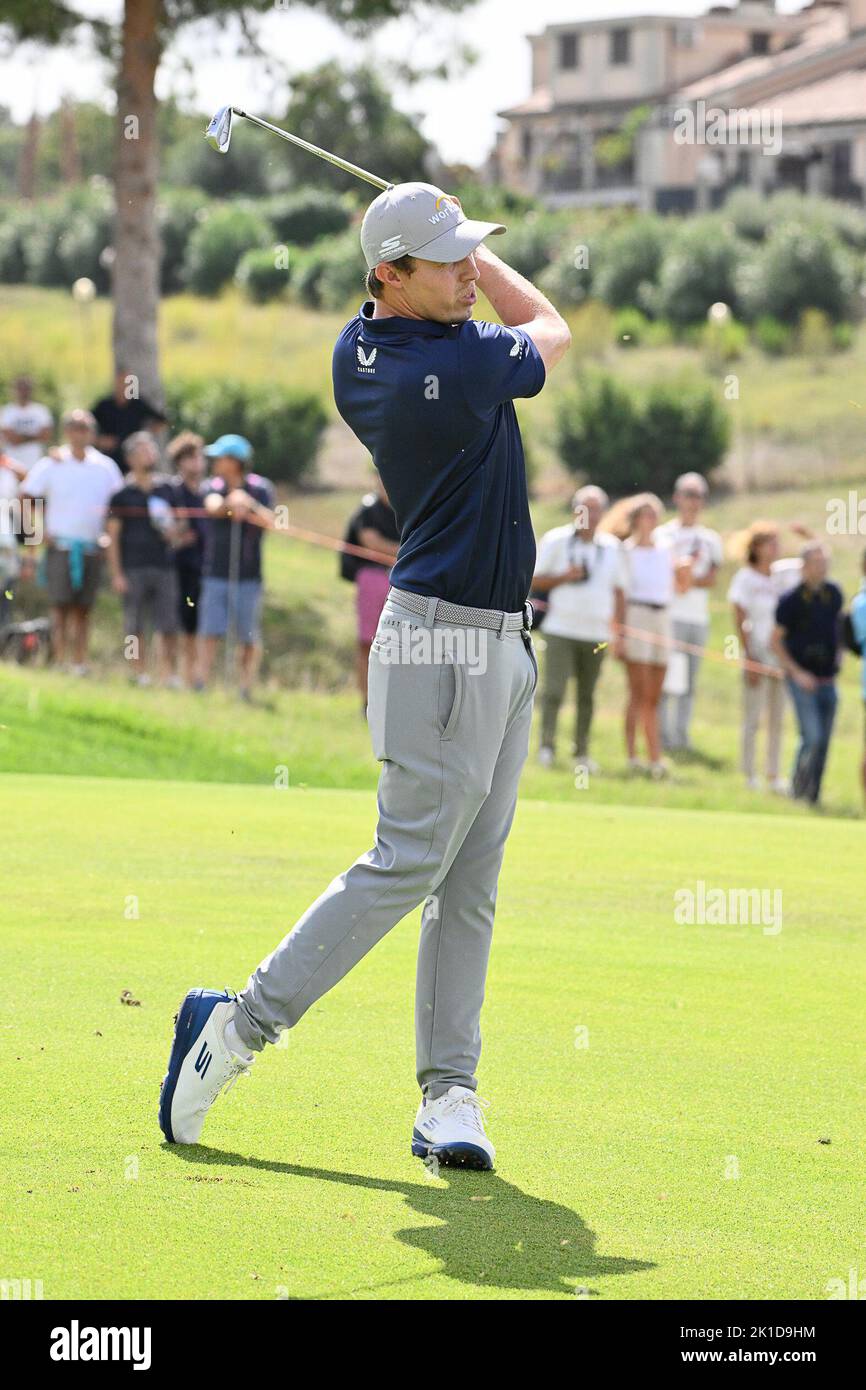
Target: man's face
x=144, y=459
x=192, y=467
x=689, y=502
x=78, y=434
x=441, y=293
x=815, y=567
x=23, y=389
x=588, y=513
x=229, y=470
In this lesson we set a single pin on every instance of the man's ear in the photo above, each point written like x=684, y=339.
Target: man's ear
x=386, y=273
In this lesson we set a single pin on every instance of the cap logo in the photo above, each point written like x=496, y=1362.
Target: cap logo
x=441, y=213
x=391, y=244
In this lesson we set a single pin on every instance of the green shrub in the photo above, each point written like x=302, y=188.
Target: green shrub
x=88, y=234
x=773, y=338
x=178, y=212
x=626, y=443
x=531, y=243
x=306, y=214
x=630, y=328
x=815, y=335
x=284, y=426
x=723, y=340
x=567, y=279
x=630, y=260
x=597, y=434
x=749, y=212
x=800, y=266
x=16, y=229
x=217, y=244
x=591, y=330
x=843, y=337
x=699, y=269
x=329, y=274
x=263, y=275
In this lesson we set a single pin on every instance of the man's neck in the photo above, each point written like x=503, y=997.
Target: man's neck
x=78, y=453
x=143, y=480
x=584, y=533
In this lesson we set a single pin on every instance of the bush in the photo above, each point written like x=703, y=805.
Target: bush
x=723, y=340
x=531, y=244
x=178, y=212
x=607, y=433
x=327, y=275
x=630, y=328
x=815, y=334
x=630, y=259
x=699, y=269
x=262, y=275
x=591, y=330
x=89, y=232
x=773, y=338
x=284, y=426
x=303, y=216
x=843, y=337
x=800, y=266
x=567, y=279
x=218, y=243
x=749, y=212
x=16, y=229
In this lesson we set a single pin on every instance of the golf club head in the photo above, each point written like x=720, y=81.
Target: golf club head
x=219, y=131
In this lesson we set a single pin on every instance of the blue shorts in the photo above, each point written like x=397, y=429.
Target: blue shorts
x=245, y=607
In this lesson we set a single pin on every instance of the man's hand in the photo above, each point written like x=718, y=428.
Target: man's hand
x=575, y=574
x=805, y=680
x=239, y=503
x=119, y=583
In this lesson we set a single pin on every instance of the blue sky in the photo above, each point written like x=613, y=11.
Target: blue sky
x=459, y=118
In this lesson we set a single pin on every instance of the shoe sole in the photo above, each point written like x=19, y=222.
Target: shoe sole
x=188, y=1015
x=452, y=1155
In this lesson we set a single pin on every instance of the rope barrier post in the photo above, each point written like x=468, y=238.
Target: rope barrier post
x=234, y=580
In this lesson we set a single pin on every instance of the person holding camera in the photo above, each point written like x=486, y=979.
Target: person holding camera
x=576, y=570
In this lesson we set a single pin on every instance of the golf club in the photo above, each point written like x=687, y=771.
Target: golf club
x=219, y=134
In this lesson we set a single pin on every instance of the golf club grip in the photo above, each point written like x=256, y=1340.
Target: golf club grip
x=314, y=149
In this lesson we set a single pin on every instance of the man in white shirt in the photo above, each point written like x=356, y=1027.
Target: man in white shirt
x=577, y=569
x=75, y=484
x=26, y=426
x=698, y=553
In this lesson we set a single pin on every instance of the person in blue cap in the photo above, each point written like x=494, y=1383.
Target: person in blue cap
x=240, y=509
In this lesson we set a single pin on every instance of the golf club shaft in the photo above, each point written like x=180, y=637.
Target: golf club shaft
x=314, y=149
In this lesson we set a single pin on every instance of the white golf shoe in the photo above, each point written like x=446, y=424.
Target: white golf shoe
x=200, y=1065
x=451, y=1130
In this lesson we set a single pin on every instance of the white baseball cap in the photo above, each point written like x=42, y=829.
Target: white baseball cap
x=418, y=219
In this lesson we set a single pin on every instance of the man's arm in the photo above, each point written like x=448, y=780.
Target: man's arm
x=804, y=679
x=520, y=305
x=118, y=579
x=371, y=539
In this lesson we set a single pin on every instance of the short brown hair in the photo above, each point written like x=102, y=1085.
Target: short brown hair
x=185, y=443
x=374, y=285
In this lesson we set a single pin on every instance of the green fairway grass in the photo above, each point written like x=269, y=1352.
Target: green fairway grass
x=706, y=1143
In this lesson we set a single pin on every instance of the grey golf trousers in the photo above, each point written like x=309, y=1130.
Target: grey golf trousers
x=449, y=714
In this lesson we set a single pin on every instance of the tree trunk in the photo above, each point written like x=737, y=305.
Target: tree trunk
x=136, y=241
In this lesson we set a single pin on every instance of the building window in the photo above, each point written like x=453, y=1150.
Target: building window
x=760, y=43
x=526, y=144
x=569, y=51
x=620, y=46
x=685, y=36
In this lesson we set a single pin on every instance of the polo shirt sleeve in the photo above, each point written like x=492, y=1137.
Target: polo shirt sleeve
x=546, y=554
x=858, y=620
x=737, y=591
x=498, y=364
x=785, y=610
x=34, y=483
x=117, y=502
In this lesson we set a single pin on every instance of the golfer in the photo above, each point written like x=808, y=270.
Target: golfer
x=429, y=392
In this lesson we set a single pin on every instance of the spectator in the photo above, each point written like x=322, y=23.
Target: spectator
x=806, y=642
x=141, y=526
x=754, y=592
x=858, y=625
x=577, y=568
x=11, y=474
x=123, y=413
x=26, y=426
x=186, y=455
x=699, y=551
x=76, y=483
x=644, y=593
x=240, y=508
x=373, y=526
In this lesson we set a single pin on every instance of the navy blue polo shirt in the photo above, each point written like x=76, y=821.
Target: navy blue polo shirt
x=810, y=619
x=433, y=404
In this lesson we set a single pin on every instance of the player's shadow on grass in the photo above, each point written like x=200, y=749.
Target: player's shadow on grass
x=488, y=1233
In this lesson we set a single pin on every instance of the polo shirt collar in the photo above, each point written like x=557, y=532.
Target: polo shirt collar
x=394, y=324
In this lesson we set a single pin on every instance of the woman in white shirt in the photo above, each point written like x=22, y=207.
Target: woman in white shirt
x=645, y=590
x=754, y=593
